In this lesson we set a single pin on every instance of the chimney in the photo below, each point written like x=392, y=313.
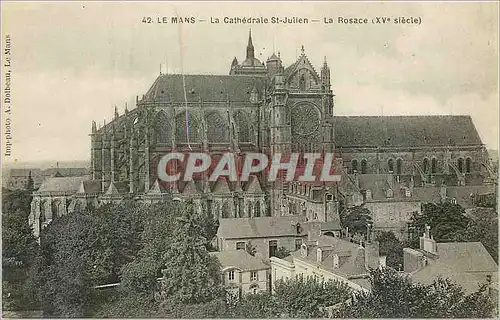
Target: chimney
x=335, y=261
x=382, y=261
x=360, y=259
x=427, y=243
x=319, y=255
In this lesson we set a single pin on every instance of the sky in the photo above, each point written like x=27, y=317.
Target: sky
x=73, y=62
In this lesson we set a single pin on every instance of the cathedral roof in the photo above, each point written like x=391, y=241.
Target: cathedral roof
x=405, y=131
x=62, y=184
x=169, y=87
x=252, y=63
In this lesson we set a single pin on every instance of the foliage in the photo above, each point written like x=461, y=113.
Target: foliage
x=446, y=219
x=306, y=297
x=392, y=248
x=282, y=252
x=394, y=296
x=172, y=309
x=482, y=227
x=250, y=248
x=191, y=275
x=16, y=200
x=259, y=305
x=20, y=254
x=356, y=219
x=66, y=281
x=122, y=305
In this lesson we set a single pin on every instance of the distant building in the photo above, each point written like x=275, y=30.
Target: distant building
x=466, y=263
x=242, y=272
x=330, y=258
x=18, y=178
x=267, y=234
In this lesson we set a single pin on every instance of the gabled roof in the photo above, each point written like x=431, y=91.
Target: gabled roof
x=190, y=188
x=157, y=188
x=253, y=185
x=235, y=228
x=221, y=186
x=90, y=187
x=169, y=87
x=117, y=188
x=405, y=131
x=466, y=263
x=62, y=184
x=239, y=259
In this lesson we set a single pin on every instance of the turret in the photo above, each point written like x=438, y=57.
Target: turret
x=250, y=48
x=273, y=64
x=94, y=127
x=325, y=76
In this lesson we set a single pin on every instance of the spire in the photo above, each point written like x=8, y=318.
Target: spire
x=302, y=50
x=94, y=127
x=235, y=62
x=250, y=49
x=116, y=112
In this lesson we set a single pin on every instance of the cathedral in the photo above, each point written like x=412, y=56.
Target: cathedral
x=390, y=165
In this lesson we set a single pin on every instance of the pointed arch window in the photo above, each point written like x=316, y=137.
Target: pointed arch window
x=460, y=164
x=426, y=165
x=354, y=166
x=302, y=83
x=399, y=166
x=433, y=165
x=363, y=166
x=468, y=165
x=390, y=165
x=256, y=209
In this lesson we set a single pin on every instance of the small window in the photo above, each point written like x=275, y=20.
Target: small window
x=390, y=165
x=468, y=165
x=230, y=275
x=363, y=166
x=298, y=244
x=240, y=245
x=273, y=247
x=399, y=166
x=354, y=166
x=434, y=165
x=255, y=290
x=460, y=164
x=426, y=165
x=254, y=276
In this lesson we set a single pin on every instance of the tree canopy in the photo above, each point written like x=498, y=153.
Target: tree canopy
x=393, y=295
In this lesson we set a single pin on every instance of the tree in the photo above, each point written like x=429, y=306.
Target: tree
x=356, y=219
x=260, y=305
x=20, y=254
x=16, y=200
x=482, y=227
x=191, y=275
x=250, y=248
x=66, y=284
x=307, y=297
x=393, y=295
x=282, y=252
x=392, y=248
x=446, y=220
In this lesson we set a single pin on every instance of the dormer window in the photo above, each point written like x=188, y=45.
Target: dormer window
x=390, y=165
x=389, y=193
x=303, y=250
x=230, y=275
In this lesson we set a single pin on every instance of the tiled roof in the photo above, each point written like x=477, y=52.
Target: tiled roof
x=206, y=87
x=234, y=228
x=405, y=131
x=62, y=184
x=90, y=186
x=466, y=263
x=239, y=259
x=348, y=252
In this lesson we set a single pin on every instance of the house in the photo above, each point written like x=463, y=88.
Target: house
x=330, y=258
x=267, y=234
x=468, y=264
x=242, y=272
